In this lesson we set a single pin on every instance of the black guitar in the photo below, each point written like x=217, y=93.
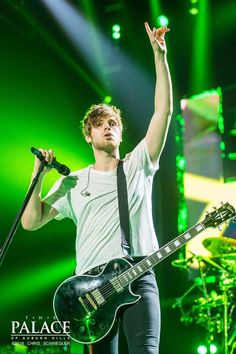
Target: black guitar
x=90, y=303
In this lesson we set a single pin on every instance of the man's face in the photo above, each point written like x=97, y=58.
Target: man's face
x=106, y=134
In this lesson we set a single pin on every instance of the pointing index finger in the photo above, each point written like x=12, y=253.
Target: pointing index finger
x=148, y=29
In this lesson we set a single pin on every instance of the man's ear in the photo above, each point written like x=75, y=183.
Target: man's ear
x=88, y=139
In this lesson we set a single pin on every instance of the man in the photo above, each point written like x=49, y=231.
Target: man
x=89, y=198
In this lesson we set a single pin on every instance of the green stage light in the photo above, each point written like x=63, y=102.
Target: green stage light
x=193, y=11
x=230, y=180
x=222, y=146
x=162, y=21
x=184, y=214
x=116, y=35
x=233, y=132
x=116, y=31
x=181, y=162
x=20, y=349
x=232, y=156
x=107, y=99
x=116, y=28
x=202, y=349
x=213, y=348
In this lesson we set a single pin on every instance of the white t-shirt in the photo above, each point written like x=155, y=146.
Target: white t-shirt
x=97, y=215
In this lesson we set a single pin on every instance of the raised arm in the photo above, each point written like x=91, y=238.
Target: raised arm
x=163, y=104
x=38, y=213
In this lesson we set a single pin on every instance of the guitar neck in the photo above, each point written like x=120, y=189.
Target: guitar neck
x=144, y=265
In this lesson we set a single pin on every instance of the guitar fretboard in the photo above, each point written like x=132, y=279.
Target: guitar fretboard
x=144, y=265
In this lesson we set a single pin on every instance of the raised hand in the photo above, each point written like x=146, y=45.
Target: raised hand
x=157, y=37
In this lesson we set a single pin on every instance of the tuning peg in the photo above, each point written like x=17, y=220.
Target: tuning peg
x=214, y=207
x=219, y=228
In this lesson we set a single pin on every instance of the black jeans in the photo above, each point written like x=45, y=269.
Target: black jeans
x=141, y=321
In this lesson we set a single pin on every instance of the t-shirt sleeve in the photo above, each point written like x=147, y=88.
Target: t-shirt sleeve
x=140, y=159
x=59, y=197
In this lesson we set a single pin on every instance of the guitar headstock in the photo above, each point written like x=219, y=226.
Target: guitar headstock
x=219, y=215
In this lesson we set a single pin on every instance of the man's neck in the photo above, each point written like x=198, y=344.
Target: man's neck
x=105, y=161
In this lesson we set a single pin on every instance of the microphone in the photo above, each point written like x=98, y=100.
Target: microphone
x=62, y=169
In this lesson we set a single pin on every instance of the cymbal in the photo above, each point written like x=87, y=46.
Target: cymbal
x=182, y=263
x=223, y=255
x=219, y=245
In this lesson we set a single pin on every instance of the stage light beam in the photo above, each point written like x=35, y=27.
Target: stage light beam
x=201, y=55
x=155, y=10
x=81, y=33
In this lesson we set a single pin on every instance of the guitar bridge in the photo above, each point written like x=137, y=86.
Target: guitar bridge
x=91, y=301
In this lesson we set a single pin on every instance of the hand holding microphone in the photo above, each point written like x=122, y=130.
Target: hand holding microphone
x=51, y=162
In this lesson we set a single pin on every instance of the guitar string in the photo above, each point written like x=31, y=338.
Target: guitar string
x=170, y=244
x=106, y=291
x=154, y=257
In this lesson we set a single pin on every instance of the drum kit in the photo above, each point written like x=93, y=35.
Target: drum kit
x=210, y=302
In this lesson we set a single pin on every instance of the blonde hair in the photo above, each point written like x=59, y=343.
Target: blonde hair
x=95, y=113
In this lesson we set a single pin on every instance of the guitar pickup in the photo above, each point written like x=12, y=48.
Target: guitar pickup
x=98, y=297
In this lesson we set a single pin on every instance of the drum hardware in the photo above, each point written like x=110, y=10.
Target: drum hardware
x=182, y=263
x=215, y=309
x=220, y=245
x=232, y=340
x=209, y=260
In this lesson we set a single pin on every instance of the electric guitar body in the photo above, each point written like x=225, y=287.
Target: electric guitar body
x=90, y=303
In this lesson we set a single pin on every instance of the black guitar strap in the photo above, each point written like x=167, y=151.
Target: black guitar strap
x=123, y=209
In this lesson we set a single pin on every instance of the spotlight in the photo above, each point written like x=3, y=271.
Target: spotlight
x=116, y=35
x=193, y=7
x=213, y=348
x=193, y=11
x=116, y=31
x=202, y=349
x=107, y=99
x=116, y=28
x=162, y=21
